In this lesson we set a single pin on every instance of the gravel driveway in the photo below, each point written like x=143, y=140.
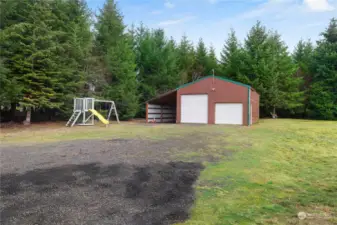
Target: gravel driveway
x=120, y=181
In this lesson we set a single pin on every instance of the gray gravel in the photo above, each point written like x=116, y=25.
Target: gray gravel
x=118, y=181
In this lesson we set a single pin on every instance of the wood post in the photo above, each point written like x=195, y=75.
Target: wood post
x=161, y=113
x=147, y=112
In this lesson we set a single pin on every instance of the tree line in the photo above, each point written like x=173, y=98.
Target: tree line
x=53, y=51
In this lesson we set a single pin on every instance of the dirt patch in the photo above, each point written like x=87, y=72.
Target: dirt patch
x=116, y=181
x=97, y=194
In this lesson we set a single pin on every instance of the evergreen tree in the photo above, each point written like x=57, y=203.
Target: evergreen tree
x=281, y=87
x=255, y=62
x=45, y=45
x=11, y=14
x=164, y=62
x=330, y=34
x=4, y=83
x=185, y=59
x=171, y=53
x=123, y=86
x=303, y=57
x=255, y=48
x=270, y=70
x=74, y=48
x=323, y=98
x=232, y=57
x=10, y=89
x=157, y=63
x=109, y=26
x=201, y=61
x=212, y=61
x=118, y=60
x=31, y=51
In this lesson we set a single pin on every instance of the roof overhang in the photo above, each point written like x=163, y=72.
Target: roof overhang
x=168, y=98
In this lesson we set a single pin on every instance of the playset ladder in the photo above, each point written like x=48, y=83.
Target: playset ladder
x=74, y=117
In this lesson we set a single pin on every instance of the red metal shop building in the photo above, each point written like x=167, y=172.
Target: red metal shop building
x=209, y=100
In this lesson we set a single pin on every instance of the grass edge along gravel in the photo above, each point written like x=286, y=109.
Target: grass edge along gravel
x=289, y=167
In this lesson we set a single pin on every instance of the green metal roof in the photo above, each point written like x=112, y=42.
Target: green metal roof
x=217, y=77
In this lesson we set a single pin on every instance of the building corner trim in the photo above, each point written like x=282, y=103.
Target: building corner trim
x=249, y=104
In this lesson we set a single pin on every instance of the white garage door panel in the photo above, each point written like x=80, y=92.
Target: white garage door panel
x=228, y=113
x=194, y=108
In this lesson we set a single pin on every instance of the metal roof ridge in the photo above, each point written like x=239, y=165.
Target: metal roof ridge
x=217, y=77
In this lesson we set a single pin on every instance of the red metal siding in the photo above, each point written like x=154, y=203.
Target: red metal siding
x=255, y=101
x=219, y=91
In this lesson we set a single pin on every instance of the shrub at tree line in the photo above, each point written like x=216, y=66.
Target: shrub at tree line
x=52, y=51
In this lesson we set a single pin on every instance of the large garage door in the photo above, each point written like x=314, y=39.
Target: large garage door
x=228, y=113
x=194, y=108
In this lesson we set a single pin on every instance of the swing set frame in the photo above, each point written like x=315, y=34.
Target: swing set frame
x=83, y=106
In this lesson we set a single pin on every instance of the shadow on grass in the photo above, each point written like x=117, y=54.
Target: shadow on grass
x=99, y=194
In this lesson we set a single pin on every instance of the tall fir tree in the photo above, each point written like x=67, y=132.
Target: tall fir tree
x=323, y=98
x=186, y=59
x=109, y=26
x=157, y=64
x=123, y=86
x=330, y=34
x=75, y=46
x=280, y=85
x=118, y=60
x=270, y=70
x=232, y=57
x=212, y=61
x=171, y=51
x=31, y=50
x=11, y=14
x=303, y=57
x=201, y=60
x=10, y=91
x=4, y=84
x=255, y=47
x=46, y=39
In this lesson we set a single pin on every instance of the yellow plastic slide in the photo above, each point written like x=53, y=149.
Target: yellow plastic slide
x=99, y=116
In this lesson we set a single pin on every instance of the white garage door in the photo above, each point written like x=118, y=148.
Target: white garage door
x=194, y=108
x=228, y=113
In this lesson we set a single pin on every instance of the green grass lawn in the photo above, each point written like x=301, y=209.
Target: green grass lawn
x=291, y=166
x=278, y=168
